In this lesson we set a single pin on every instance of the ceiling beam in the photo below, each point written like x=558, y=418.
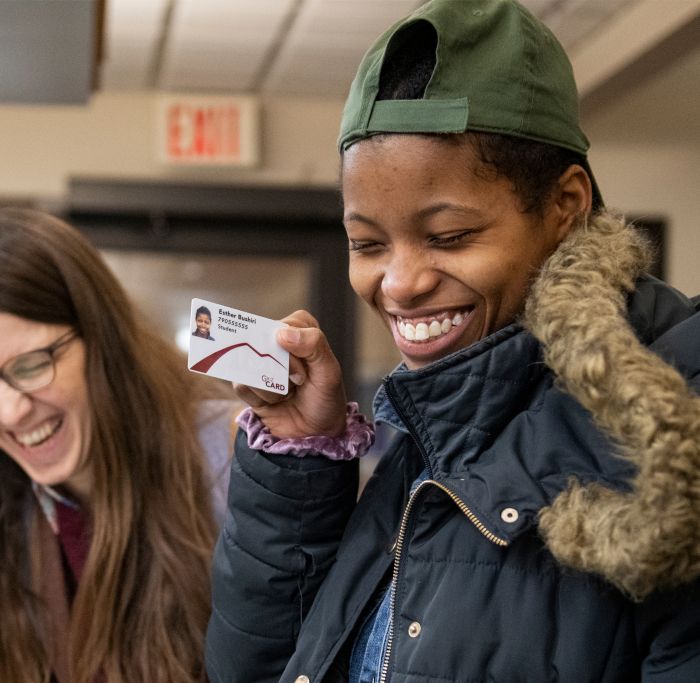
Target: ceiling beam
x=636, y=43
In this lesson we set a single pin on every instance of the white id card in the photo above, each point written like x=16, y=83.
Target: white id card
x=237, y=346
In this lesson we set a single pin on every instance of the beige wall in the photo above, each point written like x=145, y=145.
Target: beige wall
x=646, y=156
x=114, y=136
x=658, y=181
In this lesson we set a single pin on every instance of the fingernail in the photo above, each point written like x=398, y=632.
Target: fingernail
x=297, y=378
x=290, y=334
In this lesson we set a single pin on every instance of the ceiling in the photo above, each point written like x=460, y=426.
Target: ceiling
x=295, y=47
x=62, y=51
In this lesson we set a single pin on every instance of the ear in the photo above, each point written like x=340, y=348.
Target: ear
x=572, y=197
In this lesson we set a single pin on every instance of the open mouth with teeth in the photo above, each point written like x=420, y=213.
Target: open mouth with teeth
x=424, y=330
x=38, y=436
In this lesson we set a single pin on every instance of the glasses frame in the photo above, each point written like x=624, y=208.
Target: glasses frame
x=50, y=350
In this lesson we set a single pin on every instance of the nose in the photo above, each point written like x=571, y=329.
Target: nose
x=409, y=275
x=14, y=405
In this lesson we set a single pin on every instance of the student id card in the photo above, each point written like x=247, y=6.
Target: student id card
x=237, y=346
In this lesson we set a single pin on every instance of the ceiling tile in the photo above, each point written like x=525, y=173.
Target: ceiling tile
x=132, y=30
x=573, y=20
x=352, y=16
x=215, y=15
x=134, y=15
x=327, y=41
x=208, y=37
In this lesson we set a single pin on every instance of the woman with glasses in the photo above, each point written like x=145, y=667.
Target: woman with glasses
x=107, y=494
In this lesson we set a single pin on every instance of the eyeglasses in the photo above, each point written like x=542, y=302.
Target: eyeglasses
x=35, y=369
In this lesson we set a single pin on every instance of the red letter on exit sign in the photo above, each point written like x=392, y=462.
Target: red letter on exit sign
x=216, y=131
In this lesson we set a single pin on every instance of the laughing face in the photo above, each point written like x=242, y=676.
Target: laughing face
x=46, y=432
x=203, y=322
x=443, y=255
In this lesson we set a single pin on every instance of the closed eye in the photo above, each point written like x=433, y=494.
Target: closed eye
x=362, y=245
x=30, y=365
x=449, y=240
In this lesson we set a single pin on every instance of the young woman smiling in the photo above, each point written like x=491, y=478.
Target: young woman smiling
x=110, y=472
x=535, y=514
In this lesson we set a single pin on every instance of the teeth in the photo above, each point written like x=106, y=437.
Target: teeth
x=36, y=437
x=435, y=328
x=423, y=331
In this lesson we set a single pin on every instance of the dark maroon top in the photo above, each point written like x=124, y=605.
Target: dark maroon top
x=74, y=537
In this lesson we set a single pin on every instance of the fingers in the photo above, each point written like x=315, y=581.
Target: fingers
x=257, y=398
x=297, y=371
x=315, y=403
x=301, y=319
x=308, y=343
x=308, y=347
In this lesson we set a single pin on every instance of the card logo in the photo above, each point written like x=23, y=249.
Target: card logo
x=270, y=383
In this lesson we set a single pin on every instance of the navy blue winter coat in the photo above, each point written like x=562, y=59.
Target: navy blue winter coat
x=478, y=594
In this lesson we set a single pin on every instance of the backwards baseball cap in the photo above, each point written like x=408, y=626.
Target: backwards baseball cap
x=498, y=69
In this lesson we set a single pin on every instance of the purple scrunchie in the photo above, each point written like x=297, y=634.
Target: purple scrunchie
x=354, y=442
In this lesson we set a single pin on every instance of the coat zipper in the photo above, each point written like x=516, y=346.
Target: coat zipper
x=391, y=395
x=404, y=523
x=397, y=557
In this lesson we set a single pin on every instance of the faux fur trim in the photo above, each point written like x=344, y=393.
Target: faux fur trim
x=649, y=538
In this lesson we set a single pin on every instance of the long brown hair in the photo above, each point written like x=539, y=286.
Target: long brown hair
x=142, y=604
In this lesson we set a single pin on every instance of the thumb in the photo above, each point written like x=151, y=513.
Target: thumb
x=308, y=344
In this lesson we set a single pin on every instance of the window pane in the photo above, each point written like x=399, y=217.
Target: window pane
x=162, y=285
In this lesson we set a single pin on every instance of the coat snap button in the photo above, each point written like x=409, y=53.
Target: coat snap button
x=509, y=515
x=302, y=679
x=414, y=629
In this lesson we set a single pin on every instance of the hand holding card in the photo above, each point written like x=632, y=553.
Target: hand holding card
x=316, y=405
x=237, y=346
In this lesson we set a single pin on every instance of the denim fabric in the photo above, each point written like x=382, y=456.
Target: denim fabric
x=384, y=411
x=370, y=644
x=369, y=648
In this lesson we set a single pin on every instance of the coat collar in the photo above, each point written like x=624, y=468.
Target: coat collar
x=494, y=430
x=459, y=404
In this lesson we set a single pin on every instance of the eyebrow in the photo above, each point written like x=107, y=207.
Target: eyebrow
x=433, y=209
x=356, y=216
x=448, y=206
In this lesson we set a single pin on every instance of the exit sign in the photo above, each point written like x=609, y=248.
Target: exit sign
x=209, y=130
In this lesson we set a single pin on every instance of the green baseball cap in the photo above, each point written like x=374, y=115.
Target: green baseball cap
x=498, y=70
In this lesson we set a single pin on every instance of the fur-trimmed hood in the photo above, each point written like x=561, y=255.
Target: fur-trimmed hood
x=649, y=537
